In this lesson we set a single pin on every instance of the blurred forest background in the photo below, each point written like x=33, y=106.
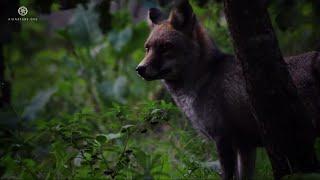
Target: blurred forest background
x=72, y=105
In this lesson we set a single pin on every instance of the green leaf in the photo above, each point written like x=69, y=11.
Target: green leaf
x=38, y=103
x=84, y=27
x=120, y=39
x=102, y=138
x=87, y=156
x=112, y=136
x=120, y=88
x=128, y=126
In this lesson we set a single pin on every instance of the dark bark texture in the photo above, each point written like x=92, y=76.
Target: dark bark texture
x=286, y=126
x=5, y=86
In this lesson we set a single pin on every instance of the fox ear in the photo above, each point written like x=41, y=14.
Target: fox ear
x=182, y=16
x=155, y=17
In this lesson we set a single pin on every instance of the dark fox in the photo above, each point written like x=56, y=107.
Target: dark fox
x=209, y=86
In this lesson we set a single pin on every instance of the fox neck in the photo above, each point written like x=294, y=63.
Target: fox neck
x=198, y=72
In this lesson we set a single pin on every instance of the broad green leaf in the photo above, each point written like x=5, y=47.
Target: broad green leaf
x=84, y=26
x=37, y=103
x=101, y=138
x=119, y=39
x=112, y=136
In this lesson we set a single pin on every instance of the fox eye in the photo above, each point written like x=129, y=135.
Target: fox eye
x=147, y=48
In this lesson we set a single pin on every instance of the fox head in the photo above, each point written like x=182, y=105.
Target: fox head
x=171, y=46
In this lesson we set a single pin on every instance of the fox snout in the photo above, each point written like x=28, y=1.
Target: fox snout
x=147, y=72
x=141, y=70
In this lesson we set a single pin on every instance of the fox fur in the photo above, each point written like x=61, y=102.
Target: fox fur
x=209, y=87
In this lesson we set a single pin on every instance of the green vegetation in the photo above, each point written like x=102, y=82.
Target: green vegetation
x=80, y=111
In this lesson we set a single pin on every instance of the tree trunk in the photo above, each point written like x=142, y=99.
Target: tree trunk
x=5, y=86
x=287, y=129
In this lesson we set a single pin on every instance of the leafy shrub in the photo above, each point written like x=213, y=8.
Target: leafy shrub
x=101, y=145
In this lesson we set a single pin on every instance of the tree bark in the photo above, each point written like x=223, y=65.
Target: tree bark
x=5, y=86
x=287, y=129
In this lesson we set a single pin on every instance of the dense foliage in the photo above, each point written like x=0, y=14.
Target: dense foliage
x=79, y=109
